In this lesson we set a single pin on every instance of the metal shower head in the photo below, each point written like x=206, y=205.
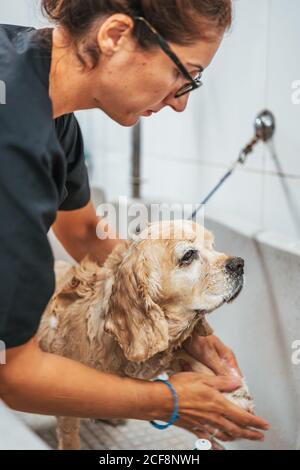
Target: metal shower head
x=265, y=126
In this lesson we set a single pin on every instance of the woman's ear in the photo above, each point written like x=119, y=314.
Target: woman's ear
x=113, y=32
x=133, y=318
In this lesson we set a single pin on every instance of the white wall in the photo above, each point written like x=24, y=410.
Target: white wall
x=254, y=69
x=184, y=155
x=22, y=12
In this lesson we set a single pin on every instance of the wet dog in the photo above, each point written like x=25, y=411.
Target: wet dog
x=131, y=316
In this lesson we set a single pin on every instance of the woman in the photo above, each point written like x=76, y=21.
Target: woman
x=108, y=55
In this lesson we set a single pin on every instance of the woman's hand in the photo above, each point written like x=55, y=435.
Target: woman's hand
x=36, y=382
x=210, y=351
x=204, y=411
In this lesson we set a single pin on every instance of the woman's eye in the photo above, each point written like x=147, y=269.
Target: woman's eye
x=189, y=257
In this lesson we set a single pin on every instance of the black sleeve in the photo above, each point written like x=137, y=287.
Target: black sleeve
x=34, y=167
x=28, y=204
x=77, y=190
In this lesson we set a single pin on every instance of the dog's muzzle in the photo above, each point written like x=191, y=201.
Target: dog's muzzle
x=235, y=268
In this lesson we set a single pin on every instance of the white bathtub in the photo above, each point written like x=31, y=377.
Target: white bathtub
x=262, y=325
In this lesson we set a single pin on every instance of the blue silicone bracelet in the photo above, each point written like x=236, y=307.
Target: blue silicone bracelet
x=175, y=415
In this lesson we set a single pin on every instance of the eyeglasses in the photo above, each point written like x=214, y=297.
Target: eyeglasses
x=193, y=83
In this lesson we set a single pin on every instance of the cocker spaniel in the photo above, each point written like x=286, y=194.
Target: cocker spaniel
x=131, y=316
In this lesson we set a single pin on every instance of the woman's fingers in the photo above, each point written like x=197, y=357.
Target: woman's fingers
x=213, y=432
x=218, y=357
x=216, y=420
x=216, y=427
x=232, y=429
x=194, y=427
x=202, y=432
x=222, y=383
x=218, y=366
x=224, y=407
x=243, y=418
x=231, y=365
x=205, y=405
x=216, y=433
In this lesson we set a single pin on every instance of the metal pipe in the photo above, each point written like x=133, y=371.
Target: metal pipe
x=136, y=161
x=265, y=126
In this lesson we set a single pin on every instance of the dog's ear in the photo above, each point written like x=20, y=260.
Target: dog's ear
x=133, y=316
x=74, y=282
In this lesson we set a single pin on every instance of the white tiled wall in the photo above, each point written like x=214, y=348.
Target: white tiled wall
x=254, y=69
x=184, y=155
x=22, y=12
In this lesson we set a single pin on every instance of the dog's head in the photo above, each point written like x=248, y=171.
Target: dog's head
x=166, y=280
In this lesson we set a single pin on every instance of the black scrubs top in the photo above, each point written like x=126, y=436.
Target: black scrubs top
x=42, y=170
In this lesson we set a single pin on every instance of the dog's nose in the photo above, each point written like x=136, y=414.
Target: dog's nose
x=235, y=265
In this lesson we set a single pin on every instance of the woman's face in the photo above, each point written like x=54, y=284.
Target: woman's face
x=129, y=82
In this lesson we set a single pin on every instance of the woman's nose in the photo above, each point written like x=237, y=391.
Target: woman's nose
x=178, y=104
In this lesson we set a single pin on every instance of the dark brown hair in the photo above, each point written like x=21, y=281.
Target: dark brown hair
x=179, y=21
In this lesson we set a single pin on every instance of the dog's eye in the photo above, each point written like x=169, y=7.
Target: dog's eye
x=189, y=257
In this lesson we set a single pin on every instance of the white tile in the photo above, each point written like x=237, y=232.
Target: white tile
x=113, y=174
x=240, y=195
x=282, y=206
x=283, y=70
